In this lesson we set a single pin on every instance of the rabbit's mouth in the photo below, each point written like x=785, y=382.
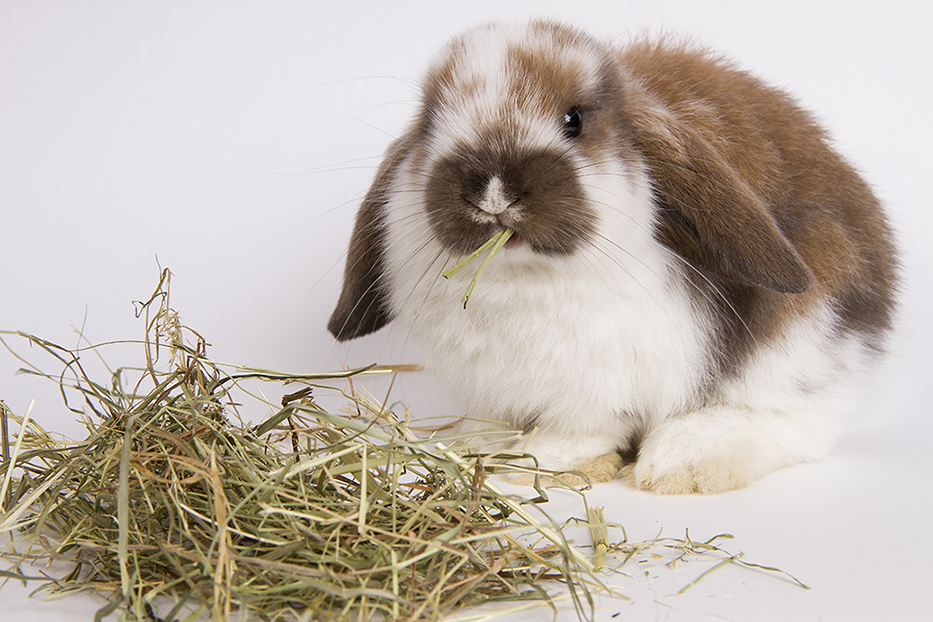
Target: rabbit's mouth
x=473, y=193
x=514, y=241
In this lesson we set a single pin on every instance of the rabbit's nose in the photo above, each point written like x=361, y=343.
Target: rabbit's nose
x=494, y=200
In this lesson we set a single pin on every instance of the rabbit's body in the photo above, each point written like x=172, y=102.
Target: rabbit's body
x=695, y=273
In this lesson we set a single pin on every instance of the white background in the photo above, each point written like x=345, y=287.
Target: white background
x=233, y=141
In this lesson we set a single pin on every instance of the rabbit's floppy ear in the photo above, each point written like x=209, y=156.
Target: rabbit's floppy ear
x=363, y=306
x=709, y=212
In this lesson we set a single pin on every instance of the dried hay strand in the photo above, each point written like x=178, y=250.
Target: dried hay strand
x=308, y=515
x=493, y=245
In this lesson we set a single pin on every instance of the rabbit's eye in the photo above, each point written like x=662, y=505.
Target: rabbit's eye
x=573, y=123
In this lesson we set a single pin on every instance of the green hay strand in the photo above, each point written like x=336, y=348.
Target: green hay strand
x=495, y=243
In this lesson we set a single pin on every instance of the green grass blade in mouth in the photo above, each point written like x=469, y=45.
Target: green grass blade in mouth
x=495, y=243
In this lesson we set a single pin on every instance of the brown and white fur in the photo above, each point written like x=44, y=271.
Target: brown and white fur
x=696, y=275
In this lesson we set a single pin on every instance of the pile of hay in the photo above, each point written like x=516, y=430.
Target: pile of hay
x=172, y=509
x=169, y=501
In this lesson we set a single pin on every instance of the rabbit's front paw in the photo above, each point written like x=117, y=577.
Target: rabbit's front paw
x=674, y=462
x=596, y=471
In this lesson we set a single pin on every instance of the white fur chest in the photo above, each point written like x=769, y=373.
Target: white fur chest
x=572, y=342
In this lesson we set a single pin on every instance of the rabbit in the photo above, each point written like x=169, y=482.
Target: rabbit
x=697, y=281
